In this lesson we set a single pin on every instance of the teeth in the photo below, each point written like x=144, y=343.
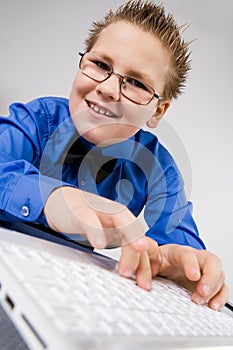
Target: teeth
x=100, y=111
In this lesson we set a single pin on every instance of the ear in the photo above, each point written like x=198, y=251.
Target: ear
x=161, y=109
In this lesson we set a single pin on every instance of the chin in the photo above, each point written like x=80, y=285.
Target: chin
x=102, y=139
x=96, y=138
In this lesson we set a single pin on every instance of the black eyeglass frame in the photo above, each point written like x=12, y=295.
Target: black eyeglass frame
x=122, y=77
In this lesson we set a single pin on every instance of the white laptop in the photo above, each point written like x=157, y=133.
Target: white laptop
x=61, y=298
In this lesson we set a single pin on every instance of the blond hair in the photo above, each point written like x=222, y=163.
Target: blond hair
x=152, y=18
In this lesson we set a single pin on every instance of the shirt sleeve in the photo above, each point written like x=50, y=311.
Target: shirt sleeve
x=167, y=212
x=23, y=190
x=169, y=216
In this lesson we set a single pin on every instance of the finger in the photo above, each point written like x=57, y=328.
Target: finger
x=212, y=277
x=206, y=293
x=141, y=244
x=122, y=227
x=217, y=301
x=129, y=227
x=220, y=299
x=153, y=255
x=117, y=234
x=143, y=273
x=129, y=261
x=92, y=228
x=185, y=259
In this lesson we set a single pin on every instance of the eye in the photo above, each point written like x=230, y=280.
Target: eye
x=102, y=65
x=136, y=83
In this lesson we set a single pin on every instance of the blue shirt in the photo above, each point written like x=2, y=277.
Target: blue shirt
x=41, y=150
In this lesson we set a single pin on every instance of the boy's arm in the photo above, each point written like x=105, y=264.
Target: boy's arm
x=168, y=213
x=23, y=190
x=22, y=197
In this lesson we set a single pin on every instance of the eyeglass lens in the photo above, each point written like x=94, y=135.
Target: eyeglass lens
x=98, y=69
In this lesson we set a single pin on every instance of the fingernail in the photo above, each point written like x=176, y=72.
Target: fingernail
x=196, y=272
x=206, y=289
x=100, y=242
x=127, y=273
x=200, y=300
x=148, y=285
x=216, y=306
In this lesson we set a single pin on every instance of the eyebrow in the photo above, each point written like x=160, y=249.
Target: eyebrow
x=132, y=73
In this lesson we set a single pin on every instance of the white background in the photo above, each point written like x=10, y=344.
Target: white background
x=39, y=41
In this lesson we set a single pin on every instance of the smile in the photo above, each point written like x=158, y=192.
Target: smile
x=101, y=110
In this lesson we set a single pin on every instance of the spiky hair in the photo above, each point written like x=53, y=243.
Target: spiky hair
x=152, y=18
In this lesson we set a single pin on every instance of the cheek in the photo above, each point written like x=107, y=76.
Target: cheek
x=135, y=116
x=79, y=85
x=80, y=88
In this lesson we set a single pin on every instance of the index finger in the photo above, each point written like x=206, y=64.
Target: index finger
x=93, y=229
x=121, y=227
x=129, y=228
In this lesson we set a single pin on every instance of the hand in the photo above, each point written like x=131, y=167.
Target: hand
x=103, y=222
x=197, y=270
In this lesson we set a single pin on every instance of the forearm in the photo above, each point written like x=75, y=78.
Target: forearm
x=23, y=191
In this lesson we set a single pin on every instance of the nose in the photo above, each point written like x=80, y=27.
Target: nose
x=110, y=88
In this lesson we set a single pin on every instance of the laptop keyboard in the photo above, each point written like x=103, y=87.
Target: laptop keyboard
x=84, y=299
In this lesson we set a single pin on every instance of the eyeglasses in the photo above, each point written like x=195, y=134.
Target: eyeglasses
x=99, y=70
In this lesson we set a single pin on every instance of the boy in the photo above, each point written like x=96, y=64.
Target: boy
x=91, y=174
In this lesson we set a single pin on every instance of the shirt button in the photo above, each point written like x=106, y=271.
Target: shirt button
x=25, y=211
x=83, y=183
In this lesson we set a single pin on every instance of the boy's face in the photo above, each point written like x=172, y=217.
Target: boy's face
x=132, y=52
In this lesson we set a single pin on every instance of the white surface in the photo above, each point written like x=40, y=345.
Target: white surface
x=29, y=264
x=39, y=42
